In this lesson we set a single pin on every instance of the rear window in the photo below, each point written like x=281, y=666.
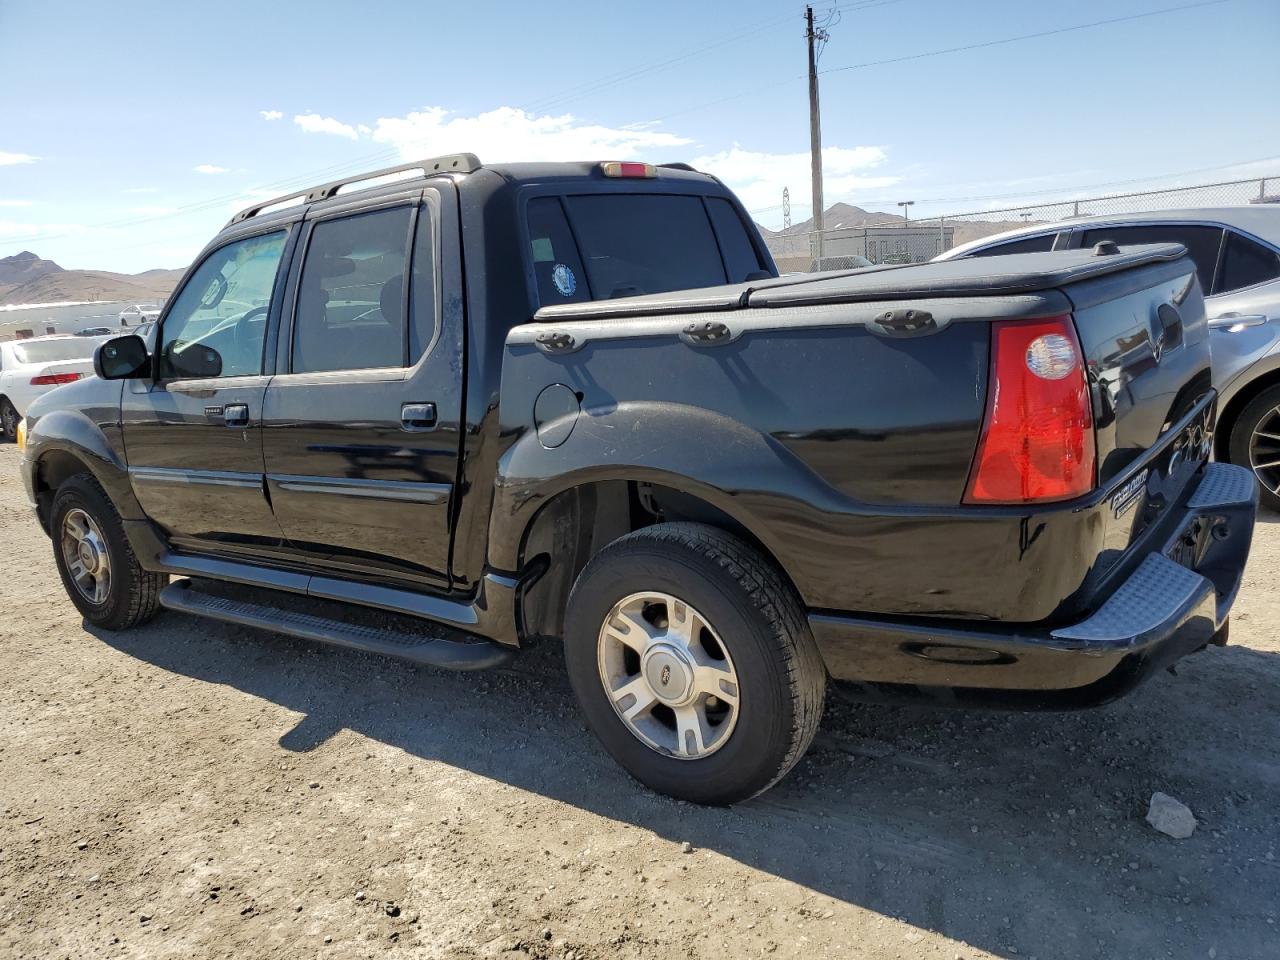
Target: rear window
x=633, y=244
x=740, y=257
x=1201, y=242
x=51, y=351
x=1040, y=244
x=1245, y=263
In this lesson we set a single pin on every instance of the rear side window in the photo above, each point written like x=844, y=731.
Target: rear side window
x=1040, y=244
x=351, y=310
x=1245, y=263
x=1201, y=242
x=554, y=255
x=645, y=243
x=51, y=351
x=740, y=257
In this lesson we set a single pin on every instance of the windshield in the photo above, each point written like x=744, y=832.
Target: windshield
x=51, y=351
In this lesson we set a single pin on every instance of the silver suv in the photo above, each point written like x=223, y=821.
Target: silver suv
x=1237, y=255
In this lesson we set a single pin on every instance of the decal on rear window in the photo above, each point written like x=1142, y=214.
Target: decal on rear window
x=564, y=280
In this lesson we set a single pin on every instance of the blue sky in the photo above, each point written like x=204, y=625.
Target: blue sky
x=130, y=131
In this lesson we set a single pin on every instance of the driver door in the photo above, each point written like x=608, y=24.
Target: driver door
x=193, y=434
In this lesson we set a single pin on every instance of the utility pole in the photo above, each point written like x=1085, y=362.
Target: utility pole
x=815, y=126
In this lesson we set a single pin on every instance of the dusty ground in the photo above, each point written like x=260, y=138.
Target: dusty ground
x=197, y=790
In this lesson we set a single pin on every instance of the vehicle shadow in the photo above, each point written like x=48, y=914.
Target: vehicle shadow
x=1021, y=834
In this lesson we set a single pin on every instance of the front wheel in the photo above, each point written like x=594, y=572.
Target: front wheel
x=692, y=661
x=98, y=568
x=1255, y=443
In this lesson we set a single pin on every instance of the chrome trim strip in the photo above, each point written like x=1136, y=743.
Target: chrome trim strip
x=213, y=478
x=410, y=491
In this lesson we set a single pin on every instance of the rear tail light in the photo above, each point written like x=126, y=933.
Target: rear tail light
x=1037, y=440
x=49, y=379
x=625, y=168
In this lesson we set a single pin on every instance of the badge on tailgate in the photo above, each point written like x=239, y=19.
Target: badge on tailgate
x=1123, y=500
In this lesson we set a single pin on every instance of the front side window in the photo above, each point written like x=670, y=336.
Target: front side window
x=1246, y=263
x=351, y=296
x=1201, y=242
x=218, y=322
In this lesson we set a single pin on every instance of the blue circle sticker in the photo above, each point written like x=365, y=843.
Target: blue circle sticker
x=564, y=280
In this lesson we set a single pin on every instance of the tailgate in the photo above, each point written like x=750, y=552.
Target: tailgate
x=1146, y=343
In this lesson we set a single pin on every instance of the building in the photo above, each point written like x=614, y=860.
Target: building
x=905, y=242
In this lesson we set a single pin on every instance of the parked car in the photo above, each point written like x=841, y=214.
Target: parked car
x=34, y=366
x=573, y=400
x=95, y=332
x=1237, y=255
x=138, y=313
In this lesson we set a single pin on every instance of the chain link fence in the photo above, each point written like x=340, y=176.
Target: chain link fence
x=859, y=237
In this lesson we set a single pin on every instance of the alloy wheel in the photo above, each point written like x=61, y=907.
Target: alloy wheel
x=1264, y=450
x=84, y=550
x=669, y=675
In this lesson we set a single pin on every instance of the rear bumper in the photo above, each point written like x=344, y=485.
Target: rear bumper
x=1161, y=612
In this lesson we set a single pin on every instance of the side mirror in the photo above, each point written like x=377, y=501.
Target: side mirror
x=193, y=360
x=121, y=358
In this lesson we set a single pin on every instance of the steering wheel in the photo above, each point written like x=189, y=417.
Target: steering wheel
x=249, y=333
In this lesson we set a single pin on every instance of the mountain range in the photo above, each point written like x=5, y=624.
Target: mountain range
x=28, y=278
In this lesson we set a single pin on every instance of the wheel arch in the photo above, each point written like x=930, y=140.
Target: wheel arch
x=64, y=443
x=1230, y=412
x=563, y=535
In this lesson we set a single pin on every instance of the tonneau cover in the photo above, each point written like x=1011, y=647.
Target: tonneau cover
x=978, y=276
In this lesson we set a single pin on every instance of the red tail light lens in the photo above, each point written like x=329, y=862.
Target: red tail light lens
x=1037, y=441
x=627, y=168
x=51, y=378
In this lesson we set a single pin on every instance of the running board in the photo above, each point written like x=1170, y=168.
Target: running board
x=478, y=654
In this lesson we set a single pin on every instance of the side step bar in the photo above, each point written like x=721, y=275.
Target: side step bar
x=184, y=597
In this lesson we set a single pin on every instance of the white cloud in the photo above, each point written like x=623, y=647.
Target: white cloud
x=14, y=228
x=758, y=178
x=12, y=159
x=17, y=203
x=314, y=123
x=142, y=190
x=270, y=114
x=209, y=168
x=510, y=134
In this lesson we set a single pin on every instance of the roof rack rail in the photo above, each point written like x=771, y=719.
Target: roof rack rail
x=449, y=163
x=680, y=165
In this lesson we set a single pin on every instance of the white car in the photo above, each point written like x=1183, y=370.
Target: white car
x=37, y=365
x=139, y=313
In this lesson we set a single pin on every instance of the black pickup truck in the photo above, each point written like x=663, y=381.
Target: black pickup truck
x=576, y=400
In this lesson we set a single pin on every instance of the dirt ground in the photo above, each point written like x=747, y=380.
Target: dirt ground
x=192, y=789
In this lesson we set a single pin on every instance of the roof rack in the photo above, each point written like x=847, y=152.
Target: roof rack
x=450, y=163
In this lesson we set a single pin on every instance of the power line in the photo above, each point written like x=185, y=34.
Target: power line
x=1026, y=36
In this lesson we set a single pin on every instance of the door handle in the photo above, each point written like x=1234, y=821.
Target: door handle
x=418, y=416
x=235, y=415
x=1237, y=321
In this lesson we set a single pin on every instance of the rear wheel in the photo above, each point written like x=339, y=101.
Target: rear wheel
x=691, y=658
x=1255, y=443
x=98, y=569
x=9, y=420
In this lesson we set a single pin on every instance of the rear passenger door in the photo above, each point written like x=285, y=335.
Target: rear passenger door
x=361, y=435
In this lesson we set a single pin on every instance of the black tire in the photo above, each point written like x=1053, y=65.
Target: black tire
x=762, y=623
x=9, y=420
x=1260, y=408
x=132, y=594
